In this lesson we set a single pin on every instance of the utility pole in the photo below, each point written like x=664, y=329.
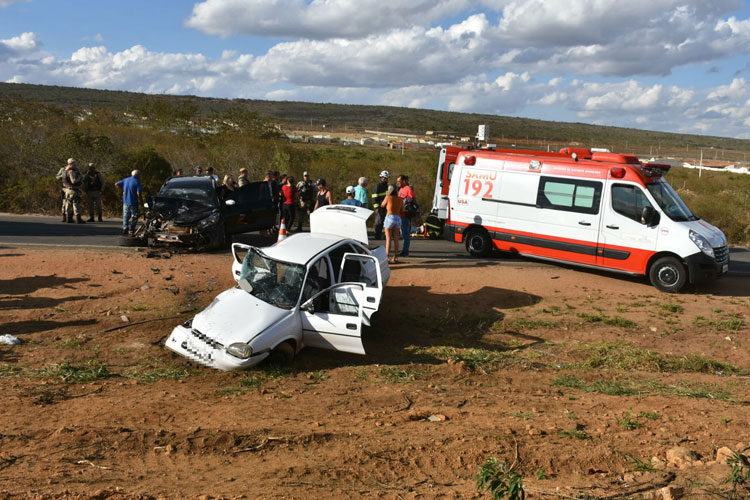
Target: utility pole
x=700, y=165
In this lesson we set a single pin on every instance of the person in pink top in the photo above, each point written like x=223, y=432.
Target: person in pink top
x=405, y=191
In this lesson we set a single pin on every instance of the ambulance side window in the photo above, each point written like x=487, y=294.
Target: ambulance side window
x=629, y=201
x=572, y=195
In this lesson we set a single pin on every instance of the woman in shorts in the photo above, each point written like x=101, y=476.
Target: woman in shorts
x=393, y=205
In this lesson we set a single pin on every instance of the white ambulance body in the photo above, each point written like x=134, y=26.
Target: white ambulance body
x=607, y=211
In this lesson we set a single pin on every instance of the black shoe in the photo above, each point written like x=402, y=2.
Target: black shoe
x=403, y=254
x=91, y=219
x=80, y=220
x=70, y=220
x=100, y=218
x=65, y=219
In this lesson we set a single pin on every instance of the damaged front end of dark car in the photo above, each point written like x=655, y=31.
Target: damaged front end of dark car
x=186, y=223
x=195, y=213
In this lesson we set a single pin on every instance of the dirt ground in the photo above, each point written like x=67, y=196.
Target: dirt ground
x=583, y=383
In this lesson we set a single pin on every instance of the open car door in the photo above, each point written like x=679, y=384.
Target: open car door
x=365, y=269
x=332, y=319
x=239, y=251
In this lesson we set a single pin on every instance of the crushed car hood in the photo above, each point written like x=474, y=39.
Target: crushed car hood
x=236, y=316
x=182, y=211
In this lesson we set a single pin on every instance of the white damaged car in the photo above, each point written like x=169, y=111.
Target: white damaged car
x=312, y=289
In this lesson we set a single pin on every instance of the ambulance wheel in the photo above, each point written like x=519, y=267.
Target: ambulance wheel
x=478, y=243
x=282, y=354
x=668, y=274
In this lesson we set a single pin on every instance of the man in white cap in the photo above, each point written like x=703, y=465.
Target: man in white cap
x=306, y=196
x=131, y=192
x=350, y=198
x=71, y=186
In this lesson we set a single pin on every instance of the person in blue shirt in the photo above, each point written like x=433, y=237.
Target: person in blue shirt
x=350, y=198
x=131, y=192
x=360, y=191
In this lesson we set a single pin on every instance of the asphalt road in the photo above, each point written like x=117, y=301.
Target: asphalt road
x=50, y=231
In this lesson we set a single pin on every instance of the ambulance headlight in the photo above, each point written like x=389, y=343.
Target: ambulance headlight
x=240, y=350
x=702, y=243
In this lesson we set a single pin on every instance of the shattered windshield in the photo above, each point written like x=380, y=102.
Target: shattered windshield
x=205, y=195
x=670, y=202
x=274, y=282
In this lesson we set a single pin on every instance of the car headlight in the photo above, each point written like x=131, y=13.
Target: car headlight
x=208, y=222
x=240, y=350
x=702, y=243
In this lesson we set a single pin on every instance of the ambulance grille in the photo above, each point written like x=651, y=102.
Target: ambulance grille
x=721, y=254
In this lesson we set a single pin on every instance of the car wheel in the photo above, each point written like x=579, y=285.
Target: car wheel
x=282, y=354
x=668, y=274
x=478, y=243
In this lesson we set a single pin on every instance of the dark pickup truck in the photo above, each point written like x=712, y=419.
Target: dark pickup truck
x=194, y=212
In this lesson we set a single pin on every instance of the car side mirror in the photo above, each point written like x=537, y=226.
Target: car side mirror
x=245, y=285
x=308, y=307
x=229, y=203
x=649, y=216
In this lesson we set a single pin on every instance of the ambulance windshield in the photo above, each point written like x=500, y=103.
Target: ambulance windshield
x=670, y=202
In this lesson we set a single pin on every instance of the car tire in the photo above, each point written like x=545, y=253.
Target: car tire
x=478, y=243
x=282, y=354
x=130, y=241
x=668, y=274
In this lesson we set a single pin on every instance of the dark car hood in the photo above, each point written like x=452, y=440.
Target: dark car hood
x=182, y=211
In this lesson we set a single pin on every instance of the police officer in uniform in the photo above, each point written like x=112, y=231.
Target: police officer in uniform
x=378, y=196
x=306, y=196
x=71, y=185
x=93, y=184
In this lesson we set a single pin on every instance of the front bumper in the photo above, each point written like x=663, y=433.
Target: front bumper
x=190, y=237
x=702, y=268
x=197, y=346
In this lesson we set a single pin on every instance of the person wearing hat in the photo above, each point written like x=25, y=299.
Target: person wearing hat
x=93, y=185
x=242, y=179
x=349, y=200
x=71, y=186
x=198, y=170
x=324, y=195
x=306, y=197
x=378, y=196
x=210, y=173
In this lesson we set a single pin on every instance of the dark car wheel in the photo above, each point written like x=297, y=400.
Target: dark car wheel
x=668, y=274
x=478, y=243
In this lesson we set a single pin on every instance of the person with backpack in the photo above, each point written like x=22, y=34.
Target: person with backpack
x=406, y=193
x=393, y=205
x=93, y=185
x=306, y=196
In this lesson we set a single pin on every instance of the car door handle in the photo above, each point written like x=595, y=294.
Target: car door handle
x=371, y=299
x=612, y=226
x=351, y=326
x=584, y=223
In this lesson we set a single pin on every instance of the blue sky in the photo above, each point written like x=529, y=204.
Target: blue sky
x=678, y=66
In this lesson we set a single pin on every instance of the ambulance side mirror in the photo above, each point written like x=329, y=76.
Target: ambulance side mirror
x=650, y=217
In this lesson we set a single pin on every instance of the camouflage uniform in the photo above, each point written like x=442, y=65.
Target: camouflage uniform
x=71, y=185
x=93, y=184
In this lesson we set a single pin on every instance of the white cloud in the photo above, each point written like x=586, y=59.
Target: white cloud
x=317, y=19
x=6, y=3
x=18, y=46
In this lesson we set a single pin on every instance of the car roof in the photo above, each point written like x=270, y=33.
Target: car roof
x=300, y=248
x=190, y=181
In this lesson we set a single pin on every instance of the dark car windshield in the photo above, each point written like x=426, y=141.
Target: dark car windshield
x=201, y=194
x=670, y=202
x=275, y=282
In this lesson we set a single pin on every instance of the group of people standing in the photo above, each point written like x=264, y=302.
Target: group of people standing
x=73, y=183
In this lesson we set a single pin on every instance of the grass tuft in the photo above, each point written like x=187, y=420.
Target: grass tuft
x=68, y=371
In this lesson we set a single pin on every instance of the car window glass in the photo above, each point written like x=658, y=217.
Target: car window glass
x=338, y=300
x=360, y=270
x=318, y=278
x=336, y=255
x=629, y=201
x=571, y=195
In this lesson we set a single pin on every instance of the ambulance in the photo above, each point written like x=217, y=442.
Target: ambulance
x=590, y=208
